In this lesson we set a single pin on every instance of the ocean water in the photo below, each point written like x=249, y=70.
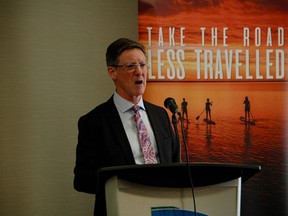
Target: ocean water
x=232, y=141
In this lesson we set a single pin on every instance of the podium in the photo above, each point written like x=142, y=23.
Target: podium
x=136, y=189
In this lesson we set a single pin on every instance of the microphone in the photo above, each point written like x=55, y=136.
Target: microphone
x=170, y=104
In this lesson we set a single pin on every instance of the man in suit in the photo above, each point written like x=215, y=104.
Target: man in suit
x=108, y=135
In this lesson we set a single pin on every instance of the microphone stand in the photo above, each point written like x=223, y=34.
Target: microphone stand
x=184, y=137
x=175, y=123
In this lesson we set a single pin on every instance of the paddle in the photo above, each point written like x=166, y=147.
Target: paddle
x=200, y=114
x=252, y=116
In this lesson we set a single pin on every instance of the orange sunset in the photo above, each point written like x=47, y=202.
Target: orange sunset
x=225, y=51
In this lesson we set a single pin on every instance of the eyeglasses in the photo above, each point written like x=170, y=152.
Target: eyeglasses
x=133, y=67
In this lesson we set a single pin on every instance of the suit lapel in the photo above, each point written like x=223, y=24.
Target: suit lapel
x=117, y=128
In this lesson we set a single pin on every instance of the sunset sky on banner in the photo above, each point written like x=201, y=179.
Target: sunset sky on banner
x=227, y=40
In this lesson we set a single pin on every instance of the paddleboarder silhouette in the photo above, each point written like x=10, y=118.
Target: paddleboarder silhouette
x=184, y=105
x=208, y=108
x=247, y=108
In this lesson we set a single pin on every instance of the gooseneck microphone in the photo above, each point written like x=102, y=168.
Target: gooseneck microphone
x=170, y=104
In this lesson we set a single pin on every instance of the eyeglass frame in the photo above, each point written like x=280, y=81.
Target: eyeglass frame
x=132, y=66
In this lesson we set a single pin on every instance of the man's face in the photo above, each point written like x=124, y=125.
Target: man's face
x=130, y=81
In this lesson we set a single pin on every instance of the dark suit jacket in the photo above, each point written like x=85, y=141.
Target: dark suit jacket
x=102, y=142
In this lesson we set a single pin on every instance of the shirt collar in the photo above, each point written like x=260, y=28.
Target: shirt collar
x=123, y=105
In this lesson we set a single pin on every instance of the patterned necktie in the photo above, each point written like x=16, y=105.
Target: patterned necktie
x=145, y=142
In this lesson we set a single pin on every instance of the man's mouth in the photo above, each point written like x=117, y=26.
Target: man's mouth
x=139, y=82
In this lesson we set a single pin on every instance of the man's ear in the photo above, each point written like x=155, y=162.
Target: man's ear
x=112, y=72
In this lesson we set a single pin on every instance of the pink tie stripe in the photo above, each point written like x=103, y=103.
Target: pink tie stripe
x=145, y=142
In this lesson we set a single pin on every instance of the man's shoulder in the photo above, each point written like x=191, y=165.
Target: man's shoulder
x=149, y=105
x=99, y=110
x=154, y=109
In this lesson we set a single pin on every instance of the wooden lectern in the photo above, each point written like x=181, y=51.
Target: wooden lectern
x=134, y=190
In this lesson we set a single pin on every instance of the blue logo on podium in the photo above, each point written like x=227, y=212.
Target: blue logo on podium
x=173, y=211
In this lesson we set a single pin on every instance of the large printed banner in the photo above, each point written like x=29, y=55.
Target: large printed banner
x=212, y=57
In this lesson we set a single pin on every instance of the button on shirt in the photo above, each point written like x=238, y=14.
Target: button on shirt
x=127, y=117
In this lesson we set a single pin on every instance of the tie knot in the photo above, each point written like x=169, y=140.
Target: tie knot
x=135, y=108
